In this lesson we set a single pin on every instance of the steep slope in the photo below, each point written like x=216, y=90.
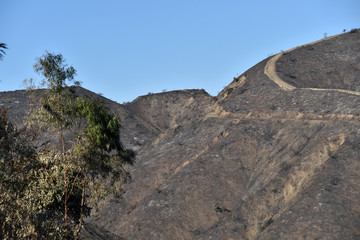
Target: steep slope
x=274, y=156
x=260, y=163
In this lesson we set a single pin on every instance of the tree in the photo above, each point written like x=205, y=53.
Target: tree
x=57, y=108
x=15, y=158
x=26, y=201
x=2, y=51
x=95, y=149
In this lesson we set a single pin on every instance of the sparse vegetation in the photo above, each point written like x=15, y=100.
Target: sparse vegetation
x=60, y=183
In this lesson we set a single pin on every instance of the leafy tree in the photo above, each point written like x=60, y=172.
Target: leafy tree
x=26, y=210
x=2, y=51
x=57, y=109
x=96, y=149
x=15, y=158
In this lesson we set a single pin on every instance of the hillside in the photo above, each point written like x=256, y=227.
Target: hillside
x=274, y=156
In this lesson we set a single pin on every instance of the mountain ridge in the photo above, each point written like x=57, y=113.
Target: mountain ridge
x=257, y=161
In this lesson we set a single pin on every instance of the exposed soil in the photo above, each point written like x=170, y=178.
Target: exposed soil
x=274, y=156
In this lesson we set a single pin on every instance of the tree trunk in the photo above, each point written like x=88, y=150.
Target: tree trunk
x=65, y=182
x=82, y=204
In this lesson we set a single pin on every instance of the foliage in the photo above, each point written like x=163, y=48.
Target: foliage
x=2, y=51
x=26, y=198
x=45, y=193
x=90, y=155
x=56, y=72
x=14, y=159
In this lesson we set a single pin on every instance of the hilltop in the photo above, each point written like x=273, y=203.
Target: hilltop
x=274, y=156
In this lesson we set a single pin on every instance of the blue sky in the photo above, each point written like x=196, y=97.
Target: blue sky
x=124, y=49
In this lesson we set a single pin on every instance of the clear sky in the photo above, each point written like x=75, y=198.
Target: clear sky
x=127, y=48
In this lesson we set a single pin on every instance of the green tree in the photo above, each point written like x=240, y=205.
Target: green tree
x=2, y=51
x=95, y=149
x=57, y=109
x=15, y=158
x=26, y=201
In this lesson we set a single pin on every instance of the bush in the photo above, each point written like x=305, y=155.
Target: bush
x=27, y=202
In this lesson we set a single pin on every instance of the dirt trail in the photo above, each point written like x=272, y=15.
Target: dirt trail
x=270, y=71
x=217, y=111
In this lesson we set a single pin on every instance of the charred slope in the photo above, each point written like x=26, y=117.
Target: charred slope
x=268, y=158
x=258, y=162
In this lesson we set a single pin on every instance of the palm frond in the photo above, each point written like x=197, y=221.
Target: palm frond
x=2, y=51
